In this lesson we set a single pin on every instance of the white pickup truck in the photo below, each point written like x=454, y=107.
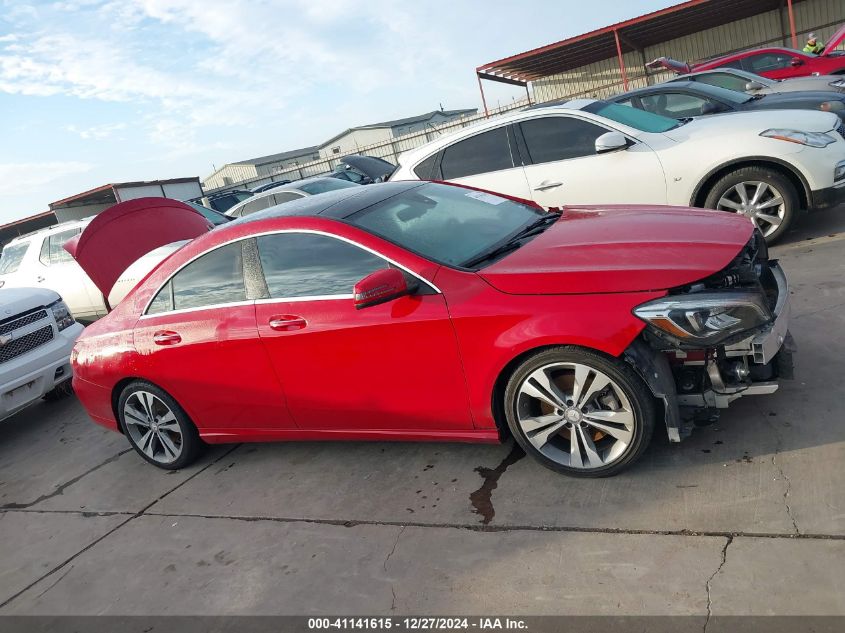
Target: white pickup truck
x=37, y=333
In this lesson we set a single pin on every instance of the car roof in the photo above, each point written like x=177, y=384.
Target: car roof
x=291, y=186
x=55, y=228
x=411, y=156
x=337, y=204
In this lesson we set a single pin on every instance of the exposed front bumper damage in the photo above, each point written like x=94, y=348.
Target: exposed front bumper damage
x=694, y=384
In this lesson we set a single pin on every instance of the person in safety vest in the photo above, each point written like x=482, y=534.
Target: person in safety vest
x=813, y=45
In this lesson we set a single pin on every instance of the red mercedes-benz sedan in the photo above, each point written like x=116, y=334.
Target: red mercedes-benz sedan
x=429, y=311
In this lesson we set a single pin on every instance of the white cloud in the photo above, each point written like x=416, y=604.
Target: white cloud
x=96, y=132
x=22, y=178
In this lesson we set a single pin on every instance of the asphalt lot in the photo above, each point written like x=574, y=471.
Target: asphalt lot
x=746, y=517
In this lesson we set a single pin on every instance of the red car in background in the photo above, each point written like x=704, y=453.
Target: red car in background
x=430, y=311
x=775, y=62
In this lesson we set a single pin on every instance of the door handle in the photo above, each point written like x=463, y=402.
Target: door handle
x=286, y=322
x=166, y=337
x=39, y=278
x=547, y=185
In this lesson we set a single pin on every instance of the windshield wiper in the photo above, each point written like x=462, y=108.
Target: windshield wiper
x=515, y=241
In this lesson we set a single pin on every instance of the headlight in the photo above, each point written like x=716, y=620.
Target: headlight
x=813, y=139
x=705, y=319
x=839, y=83
x=64, y=319
x=839, y=171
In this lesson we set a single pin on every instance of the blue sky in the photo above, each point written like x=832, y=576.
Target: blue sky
x=98, y=91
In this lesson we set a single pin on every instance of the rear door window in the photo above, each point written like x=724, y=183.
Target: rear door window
x=480, y=154
x=425, y=170
x=52, y=251
x=285, y=196
x=212, y=279
x=254, y=205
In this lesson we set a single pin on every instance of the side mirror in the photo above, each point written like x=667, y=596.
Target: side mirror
x=796, y=61
x=610, y=142
x=753, y=86
x=381, y=286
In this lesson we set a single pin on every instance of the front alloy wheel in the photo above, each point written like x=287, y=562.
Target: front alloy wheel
x=765, y=196
x=579, y=413
x=761, y=202
x=157, y=427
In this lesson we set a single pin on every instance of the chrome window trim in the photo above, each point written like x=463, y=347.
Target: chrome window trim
x=277, y=232
x=232, y=304
x=306, y=298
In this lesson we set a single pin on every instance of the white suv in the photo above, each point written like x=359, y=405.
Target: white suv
x=37, y=333
x=39, y=260
x=766, y=165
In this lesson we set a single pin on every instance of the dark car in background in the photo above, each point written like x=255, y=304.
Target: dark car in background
x=744, y=81
x=224, y=200
x=684, y=99
x=362, y=170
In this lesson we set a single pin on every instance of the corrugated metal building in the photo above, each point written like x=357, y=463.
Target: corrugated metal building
x=352, y=140
x=589, y=66
x=263, y=166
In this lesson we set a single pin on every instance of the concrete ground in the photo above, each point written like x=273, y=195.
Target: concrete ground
x=745, y=517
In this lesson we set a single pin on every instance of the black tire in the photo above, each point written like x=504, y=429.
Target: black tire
x=190, y=445
x=623, y=376
x=776, y=180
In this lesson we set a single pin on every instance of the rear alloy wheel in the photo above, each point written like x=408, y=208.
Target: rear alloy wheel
x=157, y=427
x=764, y=196
x=579, y=412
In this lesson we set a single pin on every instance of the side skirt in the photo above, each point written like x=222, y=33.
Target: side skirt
x=221, y=436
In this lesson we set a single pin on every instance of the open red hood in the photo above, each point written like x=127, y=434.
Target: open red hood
x=834, y=41
x=124, y=233
x=622, y=249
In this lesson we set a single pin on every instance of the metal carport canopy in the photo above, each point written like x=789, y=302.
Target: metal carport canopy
x=634, y=34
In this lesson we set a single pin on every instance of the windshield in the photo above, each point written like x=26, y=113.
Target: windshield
x=12, y=257
x=325, y=184
x=632, y=117
x=447, y=224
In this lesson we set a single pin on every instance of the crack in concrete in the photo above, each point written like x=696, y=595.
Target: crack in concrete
x=395, y=543
x=60, y=490
x=474, y=527
x=708, y=585
x=60, y=578
x=384, y=565
x=788, y=488
x=134, y=516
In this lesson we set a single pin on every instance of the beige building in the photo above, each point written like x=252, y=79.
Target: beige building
x=354, y=139
x=261, y=167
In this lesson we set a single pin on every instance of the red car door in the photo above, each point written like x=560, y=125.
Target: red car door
x=199, y=341
x=393, y=366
